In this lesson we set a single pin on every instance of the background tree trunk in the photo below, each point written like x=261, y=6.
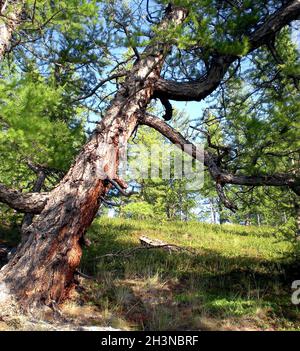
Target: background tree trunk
x=297, y=210
x=213, y=214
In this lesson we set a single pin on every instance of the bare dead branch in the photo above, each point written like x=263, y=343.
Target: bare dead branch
x=120, y=187
x=99, y=85
x=209, y=141
x=124, y=27
x=109, y=203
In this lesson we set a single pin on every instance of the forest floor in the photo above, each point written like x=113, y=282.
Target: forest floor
x=230, y=277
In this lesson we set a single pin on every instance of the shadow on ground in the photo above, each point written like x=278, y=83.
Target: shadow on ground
x=206, y=290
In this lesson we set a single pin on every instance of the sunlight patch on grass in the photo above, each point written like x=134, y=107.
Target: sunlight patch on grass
x=236, y=277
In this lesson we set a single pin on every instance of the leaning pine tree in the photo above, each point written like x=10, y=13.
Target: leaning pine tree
x=41, y=272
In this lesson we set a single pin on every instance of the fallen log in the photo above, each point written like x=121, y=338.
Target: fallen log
x=146, y=244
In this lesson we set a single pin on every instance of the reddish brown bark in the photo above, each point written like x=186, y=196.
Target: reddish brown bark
x=23, y=202
x=42, y=270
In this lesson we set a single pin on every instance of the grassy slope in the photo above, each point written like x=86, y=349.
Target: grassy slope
x=237, y=278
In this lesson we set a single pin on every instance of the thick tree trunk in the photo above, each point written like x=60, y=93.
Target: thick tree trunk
x=10, y=11
x=42, y=270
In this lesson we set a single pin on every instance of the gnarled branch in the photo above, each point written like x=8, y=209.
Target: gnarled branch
x=195, y=90
x=221, y=176
x=23, y=202
x=200, y=89
x=99, y=85
x=289, y=12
